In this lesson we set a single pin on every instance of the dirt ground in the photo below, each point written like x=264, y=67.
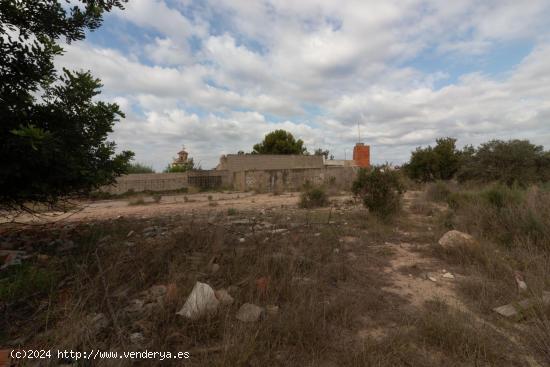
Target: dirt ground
x=168, y=205
x=351, y=291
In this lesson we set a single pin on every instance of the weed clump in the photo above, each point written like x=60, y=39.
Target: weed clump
x=438, y=191
x=313, y=197
x=380, y=188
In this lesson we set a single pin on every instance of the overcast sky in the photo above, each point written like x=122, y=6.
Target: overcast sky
x=216, y=76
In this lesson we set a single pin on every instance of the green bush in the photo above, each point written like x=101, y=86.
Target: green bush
x=438, y=163
x=380, y=188
x=139, y=168
x=313, y=197
x=508, y=162
x=511, y=216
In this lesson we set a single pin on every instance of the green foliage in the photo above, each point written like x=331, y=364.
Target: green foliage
x=53, y=136
x=139, y=168
x=380, y=188
x=313, y=197
x=25, y=280
x=180, y=168
x=280, y=142
x=438, y=163
x=512, y=216
x=325, y=153
x=508, y=162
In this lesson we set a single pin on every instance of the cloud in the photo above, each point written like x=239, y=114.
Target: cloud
x=218, y=75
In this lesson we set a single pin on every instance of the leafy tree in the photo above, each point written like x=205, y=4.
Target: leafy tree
x=53, y=136
x=438, y=163
x=280, y=142
x=139, y=168
x=179, y=168
x=322, y=152
x=509, y=162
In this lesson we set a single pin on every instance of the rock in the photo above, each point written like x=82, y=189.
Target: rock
x=272, y=310
x=317, y=234
x=522, y=286
x=201, y=301
x=448, y=276
x=513, y=309
x=348, y=239
x=130, y=234
x=456, y=238
x=280, y=230
x=336, y=250
x=224, y=297
x=215, y=268
x=11, y=258
x=242, y=239
x=155, y=292
x=249, y=313
x=137, y=338
x=432, y=278
x=135, y=307
x=352, y=256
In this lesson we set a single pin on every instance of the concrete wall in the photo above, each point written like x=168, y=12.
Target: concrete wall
x=147, y=182
x=266, y=180
x=294, y=179
x=168, y=181
x=246, y=162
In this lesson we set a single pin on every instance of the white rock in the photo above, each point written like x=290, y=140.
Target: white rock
x=201, y=300
x=456, y=238
x=432, y=279
x=249, y=313
x=224, y=297
x=448, y=276
x=242, y=239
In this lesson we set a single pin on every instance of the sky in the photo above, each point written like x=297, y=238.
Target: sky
x=216, y=76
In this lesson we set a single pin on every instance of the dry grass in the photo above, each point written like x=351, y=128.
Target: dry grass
x=513, y=228
x=334, y=308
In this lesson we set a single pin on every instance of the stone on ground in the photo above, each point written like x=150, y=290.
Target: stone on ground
x=201, y=301
x=249, y=313
x=456, y=238
x=224, y=297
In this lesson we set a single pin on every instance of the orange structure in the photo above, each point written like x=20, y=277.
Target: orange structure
x=361, y=155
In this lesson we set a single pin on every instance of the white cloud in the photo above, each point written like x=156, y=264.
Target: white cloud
x=220, y=73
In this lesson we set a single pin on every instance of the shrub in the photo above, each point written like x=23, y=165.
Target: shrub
x=510, y=216
x=509, y=162
x=139, y=168
x=438, y=163
x=313, y=197
x=156, y=198
x=380, y=188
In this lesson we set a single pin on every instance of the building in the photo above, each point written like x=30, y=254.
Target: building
x=181, y=160
x=257, y=172
x=361, y=155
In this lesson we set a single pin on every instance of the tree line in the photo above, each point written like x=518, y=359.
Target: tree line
x=509, y=162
